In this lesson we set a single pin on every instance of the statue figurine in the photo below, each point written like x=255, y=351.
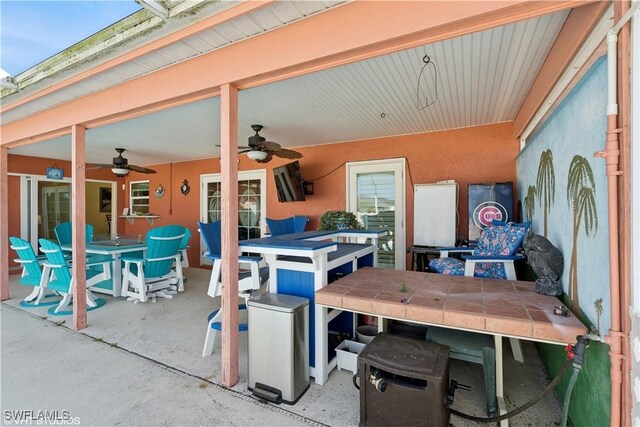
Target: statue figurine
x=547, y=262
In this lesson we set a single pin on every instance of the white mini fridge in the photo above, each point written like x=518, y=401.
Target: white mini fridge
x=435, y=209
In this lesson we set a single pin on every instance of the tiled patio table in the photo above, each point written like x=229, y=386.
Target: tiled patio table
x=501, y=308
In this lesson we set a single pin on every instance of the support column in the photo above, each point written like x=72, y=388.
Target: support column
x=4, y=223
x=229, y=166
x=78, y=231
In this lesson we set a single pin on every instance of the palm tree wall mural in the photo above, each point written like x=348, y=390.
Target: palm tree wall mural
x=581, y=190
x=546, y=184
x=530, y=202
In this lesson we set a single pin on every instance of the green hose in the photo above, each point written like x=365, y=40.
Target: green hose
x=567, y=396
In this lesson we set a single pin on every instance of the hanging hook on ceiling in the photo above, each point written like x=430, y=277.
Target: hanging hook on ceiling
x=430, y=73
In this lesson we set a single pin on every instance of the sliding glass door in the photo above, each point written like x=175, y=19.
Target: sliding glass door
x=54, y=208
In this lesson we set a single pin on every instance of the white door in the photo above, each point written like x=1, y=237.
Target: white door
x=376, y=194
x=252, y=203
x=44, y=203
x=56, y=207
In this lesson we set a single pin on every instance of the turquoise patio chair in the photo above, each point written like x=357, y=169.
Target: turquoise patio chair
x=249, y=281
x=57, y=277
x=154, y=275
x=64, y=233
x=184, y=245
x=31, y=273
x=294, y=224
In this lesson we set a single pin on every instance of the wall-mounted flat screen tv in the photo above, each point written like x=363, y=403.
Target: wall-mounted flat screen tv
x=289, y=183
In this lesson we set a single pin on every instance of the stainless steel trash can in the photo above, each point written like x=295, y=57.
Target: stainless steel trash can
x=278, y=347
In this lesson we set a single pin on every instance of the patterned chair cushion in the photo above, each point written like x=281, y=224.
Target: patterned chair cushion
x=500, y=240
x=490, y=270
x=455, y=267
x=449, y=266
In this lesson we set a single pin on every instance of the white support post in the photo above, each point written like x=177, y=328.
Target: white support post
x=321, y=368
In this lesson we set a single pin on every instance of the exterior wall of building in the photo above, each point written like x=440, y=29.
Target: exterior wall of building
x=38, y=166
x=562, y=187
x=470, y=155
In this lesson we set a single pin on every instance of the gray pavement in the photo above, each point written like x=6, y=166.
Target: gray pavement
x=49, y=367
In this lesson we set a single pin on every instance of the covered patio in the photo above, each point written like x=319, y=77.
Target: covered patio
x=348, y=85
x=170, y=335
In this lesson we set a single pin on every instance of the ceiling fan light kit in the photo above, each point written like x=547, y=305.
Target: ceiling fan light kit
x=120, y=171
x=257, y=155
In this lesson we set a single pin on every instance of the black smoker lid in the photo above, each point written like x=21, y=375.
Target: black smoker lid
x=409, y=357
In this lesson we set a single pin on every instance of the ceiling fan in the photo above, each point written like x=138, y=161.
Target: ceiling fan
x=262, y=151
x=120, y=165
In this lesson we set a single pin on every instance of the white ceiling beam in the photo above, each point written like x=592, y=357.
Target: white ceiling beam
x=6, y=81
x=154, y=7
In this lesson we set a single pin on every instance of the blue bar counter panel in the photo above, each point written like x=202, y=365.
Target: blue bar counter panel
x=301, y=263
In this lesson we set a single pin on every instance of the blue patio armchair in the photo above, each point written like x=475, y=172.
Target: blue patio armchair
x=31, y=272
x=154, y=275
x=184, y=245
x=184, y=258
x=249, y=281
x=56, y=275
x=294, y=224
x=64, y=233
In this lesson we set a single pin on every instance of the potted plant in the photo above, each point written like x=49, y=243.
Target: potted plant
x=339, y=220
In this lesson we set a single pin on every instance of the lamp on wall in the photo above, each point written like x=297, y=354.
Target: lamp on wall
x=120, y=171
x=256, y=155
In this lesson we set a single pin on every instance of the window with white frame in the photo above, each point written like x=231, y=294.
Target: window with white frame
x=139, y=197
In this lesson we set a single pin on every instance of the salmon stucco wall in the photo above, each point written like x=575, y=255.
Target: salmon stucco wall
x=37, y=166
x=469, y=155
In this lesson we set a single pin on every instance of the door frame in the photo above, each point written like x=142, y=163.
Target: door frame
x=395, y=165
x=29, y=199
x=206, y=178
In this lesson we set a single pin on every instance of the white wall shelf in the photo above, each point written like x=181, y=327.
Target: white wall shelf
x=149, y=218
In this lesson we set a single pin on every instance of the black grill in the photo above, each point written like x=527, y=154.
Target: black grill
x=403, y=382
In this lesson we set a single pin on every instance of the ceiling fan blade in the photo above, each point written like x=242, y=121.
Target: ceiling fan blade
x=268, y=146
x=287, y=154
x=240, y=147
x=99, y=165
x=141, y=169
x=266, y=159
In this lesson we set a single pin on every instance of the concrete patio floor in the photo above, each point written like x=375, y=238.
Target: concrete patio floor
x=142, y=364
